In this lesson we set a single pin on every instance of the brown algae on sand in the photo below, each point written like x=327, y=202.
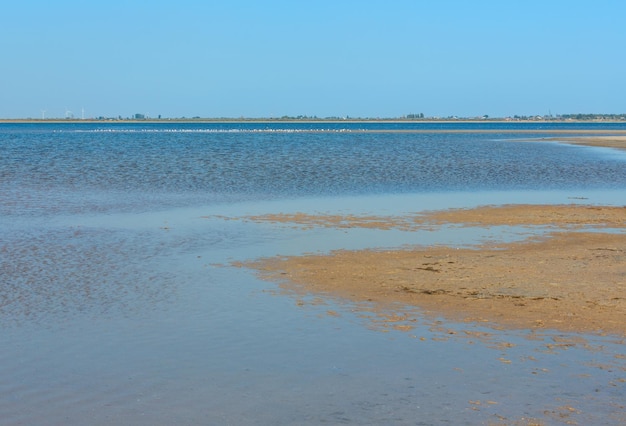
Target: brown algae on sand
x=569, y=279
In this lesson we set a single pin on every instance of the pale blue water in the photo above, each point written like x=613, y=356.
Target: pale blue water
x=115, y=306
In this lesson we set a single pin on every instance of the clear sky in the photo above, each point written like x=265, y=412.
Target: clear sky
x=358, y=58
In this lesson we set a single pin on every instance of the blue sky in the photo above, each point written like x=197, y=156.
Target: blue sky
x=323, y=58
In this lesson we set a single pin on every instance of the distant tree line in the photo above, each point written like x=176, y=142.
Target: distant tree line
x=412, y=116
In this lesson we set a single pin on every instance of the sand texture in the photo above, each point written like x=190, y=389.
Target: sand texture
x=570, y=216
x=569, y=279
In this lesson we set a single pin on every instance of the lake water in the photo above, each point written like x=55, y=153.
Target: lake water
x=118, y=304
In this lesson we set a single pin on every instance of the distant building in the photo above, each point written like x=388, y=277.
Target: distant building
x=140, y=116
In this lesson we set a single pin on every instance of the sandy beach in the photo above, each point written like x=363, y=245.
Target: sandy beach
x=567, y=279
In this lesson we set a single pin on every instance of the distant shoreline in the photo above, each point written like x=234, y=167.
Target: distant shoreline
x=302, y=121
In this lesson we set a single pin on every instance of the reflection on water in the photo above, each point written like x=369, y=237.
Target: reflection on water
x=116, y=306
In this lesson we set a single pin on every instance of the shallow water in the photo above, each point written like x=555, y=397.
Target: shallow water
x=118, y=303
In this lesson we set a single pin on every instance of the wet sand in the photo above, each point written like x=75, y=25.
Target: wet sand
x=615, y=141
x=569, y=279
x=556, y=216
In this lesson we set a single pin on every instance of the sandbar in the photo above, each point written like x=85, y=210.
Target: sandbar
x=557, y=216
x=615, y=141
x=571, y=278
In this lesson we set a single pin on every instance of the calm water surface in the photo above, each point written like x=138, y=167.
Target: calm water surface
x=117, y=304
